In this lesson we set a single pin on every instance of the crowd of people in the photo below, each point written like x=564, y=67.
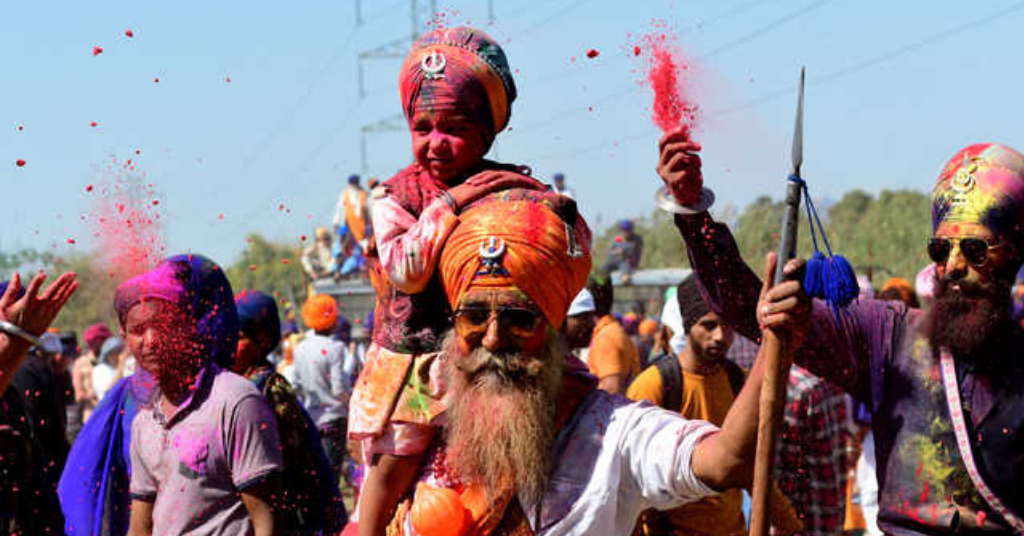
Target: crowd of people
x=499, y=393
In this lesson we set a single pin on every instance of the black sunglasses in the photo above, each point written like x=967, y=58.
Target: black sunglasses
x=975, y=250
x=520, y=322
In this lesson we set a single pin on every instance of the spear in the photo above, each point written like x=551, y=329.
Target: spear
x=778, y=353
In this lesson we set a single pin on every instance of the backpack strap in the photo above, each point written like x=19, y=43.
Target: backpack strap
x=671, y=381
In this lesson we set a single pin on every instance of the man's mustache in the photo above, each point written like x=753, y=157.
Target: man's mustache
x=506, y=365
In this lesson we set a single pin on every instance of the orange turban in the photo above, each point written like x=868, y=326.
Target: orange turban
x=531, y=240
x=648, y=327
x=320, y=313
x=900, y=286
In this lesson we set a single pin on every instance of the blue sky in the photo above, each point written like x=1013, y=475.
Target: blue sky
x=894, y=89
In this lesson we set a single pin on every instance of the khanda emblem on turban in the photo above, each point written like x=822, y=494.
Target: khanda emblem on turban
x=963, y=180
x=433, y=65
x=491, y=251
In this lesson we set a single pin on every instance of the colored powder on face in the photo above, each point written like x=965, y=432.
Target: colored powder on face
x=673, y=107
x=126, y=221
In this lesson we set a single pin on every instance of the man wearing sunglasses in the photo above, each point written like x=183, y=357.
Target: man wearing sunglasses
x=531, y=446
x=946, y=386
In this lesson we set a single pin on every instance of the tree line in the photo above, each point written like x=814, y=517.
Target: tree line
x=882, y=236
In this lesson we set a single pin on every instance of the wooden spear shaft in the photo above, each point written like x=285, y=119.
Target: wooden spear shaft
x=778, y=354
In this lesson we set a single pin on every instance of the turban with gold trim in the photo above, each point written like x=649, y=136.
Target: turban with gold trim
x=983, y=183
x=531, y=240
x=459, y=68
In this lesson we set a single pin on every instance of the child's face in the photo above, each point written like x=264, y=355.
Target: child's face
x=161, y=338
x=447, y=143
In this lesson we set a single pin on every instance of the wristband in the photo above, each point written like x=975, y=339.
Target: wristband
x=450, y=201
x=11, y=329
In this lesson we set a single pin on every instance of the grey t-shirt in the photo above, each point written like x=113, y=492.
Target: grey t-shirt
x=321, y=380
x=193, y=464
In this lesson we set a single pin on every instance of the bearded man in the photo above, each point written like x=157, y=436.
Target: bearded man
x=946, y=387
x=530, y=445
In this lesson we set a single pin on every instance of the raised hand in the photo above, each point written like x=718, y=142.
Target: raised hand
x=35, y=311
x=679, y=166
x=785, y=308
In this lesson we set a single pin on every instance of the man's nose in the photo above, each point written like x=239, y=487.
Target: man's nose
x=956, y=264
x=492, y=337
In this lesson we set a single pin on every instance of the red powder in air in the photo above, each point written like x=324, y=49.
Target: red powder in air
x=88, y=188
x=666, y=75
x=220, y=217
x=20, y=162
x=71, y=241
x=156, y=80
x=636, y=50
x=93, y=124
x=127, y=223
x=96, y=51
x=129, y=33
x=593, y=53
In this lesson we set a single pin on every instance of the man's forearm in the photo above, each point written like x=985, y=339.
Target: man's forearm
x=729, y=285
x=141, y=521
x=12, y=352
x=726, y=459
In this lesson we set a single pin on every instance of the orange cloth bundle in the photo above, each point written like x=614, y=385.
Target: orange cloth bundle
x=534, y=241
x=320, y=313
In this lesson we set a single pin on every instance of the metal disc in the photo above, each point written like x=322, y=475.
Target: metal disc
x=664, y=200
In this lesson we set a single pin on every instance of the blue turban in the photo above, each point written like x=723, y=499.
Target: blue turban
x=257, y=313
x=199, y=286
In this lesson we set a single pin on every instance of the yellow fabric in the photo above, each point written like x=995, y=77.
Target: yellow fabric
x=355, y=216
x=707, y=398
x=543, y=257
x=612, y=351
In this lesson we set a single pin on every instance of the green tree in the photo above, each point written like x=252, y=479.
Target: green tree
x=94, y=300
x=888, y=239
x=663, y=248
x=268, y=266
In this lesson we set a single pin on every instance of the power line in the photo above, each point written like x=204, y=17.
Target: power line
x=728, y=46
x=550, y=18
x=285, y=121
x=826, y=78
x=561, y=74
x=292, y=182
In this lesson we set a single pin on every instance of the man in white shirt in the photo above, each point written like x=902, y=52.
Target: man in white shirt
x=530, y=445
x=321, y=382
x=560, y=188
